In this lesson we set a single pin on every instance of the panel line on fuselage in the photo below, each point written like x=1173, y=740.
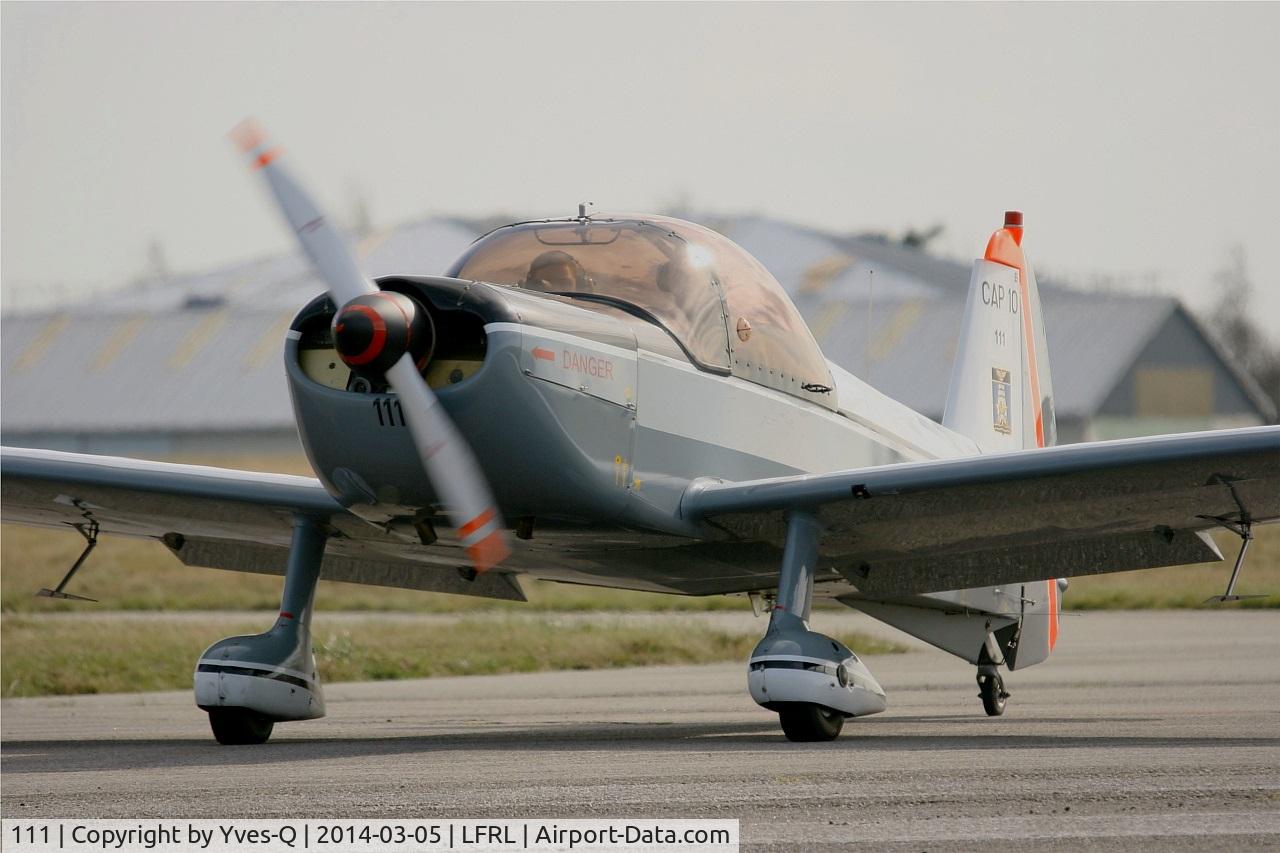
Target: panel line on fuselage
x=563, y=337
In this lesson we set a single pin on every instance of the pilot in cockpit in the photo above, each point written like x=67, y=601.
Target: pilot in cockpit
x=557, y=272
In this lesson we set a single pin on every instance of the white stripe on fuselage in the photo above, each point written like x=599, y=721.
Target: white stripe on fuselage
x=733, y=413
x=562, y=337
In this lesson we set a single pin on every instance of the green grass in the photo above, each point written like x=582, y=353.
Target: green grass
x=46, y=655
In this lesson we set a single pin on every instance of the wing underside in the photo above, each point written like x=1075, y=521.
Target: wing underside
x=891, y=532
x=913, y=528
x=237, y=520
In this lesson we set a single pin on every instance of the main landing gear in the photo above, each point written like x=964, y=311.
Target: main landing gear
x=813, y=682
x=248, y=684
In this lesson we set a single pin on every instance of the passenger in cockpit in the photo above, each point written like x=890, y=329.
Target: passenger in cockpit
x=557, y=272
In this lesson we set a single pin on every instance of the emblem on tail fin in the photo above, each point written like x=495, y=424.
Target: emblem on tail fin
x=1000, y=408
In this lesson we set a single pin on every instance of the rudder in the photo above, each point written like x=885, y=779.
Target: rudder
x=1001, y=394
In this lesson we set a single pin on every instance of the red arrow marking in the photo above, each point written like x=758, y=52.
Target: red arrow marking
x=544, y=354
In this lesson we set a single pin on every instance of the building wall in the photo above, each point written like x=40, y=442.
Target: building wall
x=1106, y=427
x=1178, y=376
x=158, y=445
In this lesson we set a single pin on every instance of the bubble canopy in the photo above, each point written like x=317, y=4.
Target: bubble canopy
x=720, y=304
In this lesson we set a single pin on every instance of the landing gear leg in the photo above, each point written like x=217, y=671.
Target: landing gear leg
x=812, y=681
x=248, y=684
x=991, y=690
x=1242, y=527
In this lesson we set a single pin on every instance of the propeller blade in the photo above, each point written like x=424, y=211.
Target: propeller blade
x=451, y=466
x=322, y=244
x=444, y=453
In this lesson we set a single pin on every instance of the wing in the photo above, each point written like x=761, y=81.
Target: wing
x=219, y=518
x=1016, y=517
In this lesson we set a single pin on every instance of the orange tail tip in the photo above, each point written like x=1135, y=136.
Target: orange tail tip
x=1013, y=224
x=1005, y=245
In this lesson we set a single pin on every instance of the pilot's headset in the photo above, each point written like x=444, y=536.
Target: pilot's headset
x=582, y=281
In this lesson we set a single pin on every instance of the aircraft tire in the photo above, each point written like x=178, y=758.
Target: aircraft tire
x=803, y=722
x=238, y=727
x=994, y=697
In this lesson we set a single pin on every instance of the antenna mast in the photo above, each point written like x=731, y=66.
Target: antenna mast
x=866, y=356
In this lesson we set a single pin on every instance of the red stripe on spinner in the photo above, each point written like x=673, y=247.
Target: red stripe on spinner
x=374, y=349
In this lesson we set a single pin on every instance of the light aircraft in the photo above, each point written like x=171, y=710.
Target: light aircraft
x=634, y=402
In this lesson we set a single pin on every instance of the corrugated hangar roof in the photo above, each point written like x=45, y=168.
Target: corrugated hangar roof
x=286, y=281
x=913, y=343
x=198, y=369
x=202, y=352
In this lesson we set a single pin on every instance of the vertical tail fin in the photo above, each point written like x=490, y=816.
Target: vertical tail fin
x=1001, y=395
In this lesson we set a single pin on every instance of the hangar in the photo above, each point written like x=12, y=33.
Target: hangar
x=190, y=366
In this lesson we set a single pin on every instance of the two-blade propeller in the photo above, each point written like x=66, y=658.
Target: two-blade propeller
x=371, y=318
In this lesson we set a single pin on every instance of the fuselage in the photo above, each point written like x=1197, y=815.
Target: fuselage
x=584, y=417
x=599, y=367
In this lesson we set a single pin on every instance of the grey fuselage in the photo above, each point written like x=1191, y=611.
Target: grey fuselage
x=586, y=419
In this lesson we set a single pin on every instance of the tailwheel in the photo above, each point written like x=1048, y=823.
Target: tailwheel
x=806, y=723
x=994, y=696
x=239, y=726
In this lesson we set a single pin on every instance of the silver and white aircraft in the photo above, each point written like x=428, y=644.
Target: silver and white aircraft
x=638, y=401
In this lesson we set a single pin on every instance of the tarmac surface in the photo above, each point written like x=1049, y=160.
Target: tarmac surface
x=1144, y=731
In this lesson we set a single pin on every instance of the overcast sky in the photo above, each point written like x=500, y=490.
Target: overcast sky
x=1140, y=140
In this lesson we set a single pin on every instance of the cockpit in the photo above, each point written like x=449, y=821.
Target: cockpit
x=724, y=309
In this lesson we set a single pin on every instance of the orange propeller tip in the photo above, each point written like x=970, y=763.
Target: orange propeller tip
x=488, y=552
x=248, y=134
